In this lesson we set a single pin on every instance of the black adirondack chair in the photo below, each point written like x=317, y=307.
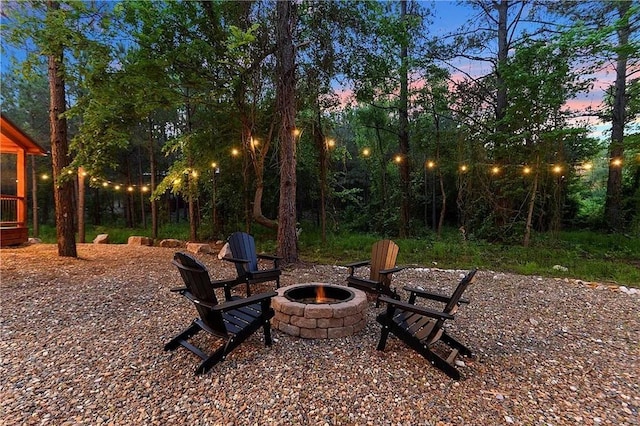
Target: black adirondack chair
x=382, y=266
x=421, y=327
x=233, y=321
x=243, y=252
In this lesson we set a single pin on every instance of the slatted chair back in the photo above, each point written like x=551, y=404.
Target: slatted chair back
x=452, y=305
x=383, y=256
x=243, y=246
x=197, y=280
x=436, y=327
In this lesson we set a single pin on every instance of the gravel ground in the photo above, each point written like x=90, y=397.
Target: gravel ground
x=82, y=343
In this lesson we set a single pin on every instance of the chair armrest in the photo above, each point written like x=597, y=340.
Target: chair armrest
x=415, y=308
x=357, y=264
x=352, y=266
x=363, y=280
x=391, y=270
x=238, y=303
x=432, y=296
x=269, y=257
x=197, y=301
x=264, y=273
x=276, y=259
x=234, y=260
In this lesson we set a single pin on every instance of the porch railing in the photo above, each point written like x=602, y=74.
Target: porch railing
x=11, y=210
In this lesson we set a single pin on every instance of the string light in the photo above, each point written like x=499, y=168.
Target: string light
x=365, y=152
x=331, y=143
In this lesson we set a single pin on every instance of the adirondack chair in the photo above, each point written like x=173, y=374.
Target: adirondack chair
x=243, y=252
x=421, y=327
x=233, y=320
x=382, y=266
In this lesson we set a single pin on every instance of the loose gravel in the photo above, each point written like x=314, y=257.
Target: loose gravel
x=82, y=343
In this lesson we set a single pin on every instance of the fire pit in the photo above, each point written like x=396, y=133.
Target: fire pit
x=319, y=311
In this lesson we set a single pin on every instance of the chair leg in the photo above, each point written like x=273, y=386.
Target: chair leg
x=383, y=338
x=267, y=333
x=183, y=336
x=440, y=363
x=462, y=349
x=212, y=360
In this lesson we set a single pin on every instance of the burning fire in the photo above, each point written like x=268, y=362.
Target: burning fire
x=320, y=295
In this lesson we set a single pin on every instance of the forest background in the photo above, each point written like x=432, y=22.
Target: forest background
x=342, y=119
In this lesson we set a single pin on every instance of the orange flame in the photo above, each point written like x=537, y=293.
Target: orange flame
x=320, y=295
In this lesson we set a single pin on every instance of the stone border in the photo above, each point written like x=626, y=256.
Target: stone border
x=321, y=321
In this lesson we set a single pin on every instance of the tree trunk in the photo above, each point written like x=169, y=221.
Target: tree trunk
x=63, y=186
x=152, y=166
x=503, y=52
x=286, y=108
x=532, y=203
x=613, y=205
x=257, y=155
x=403, y=134
x=34, y=197
x=143, y=215
x=321, y=144
x=81, y=204
x=192, y=184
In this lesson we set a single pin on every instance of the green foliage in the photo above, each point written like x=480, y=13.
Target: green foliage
x=120, y=235
x=587, y=255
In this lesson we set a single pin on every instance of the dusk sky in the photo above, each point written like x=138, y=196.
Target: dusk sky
x=447, y=16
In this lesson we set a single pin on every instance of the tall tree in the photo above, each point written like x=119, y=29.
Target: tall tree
x=628, y=22
x=381, y=59
x=607, y=40
x=286, y=108
x=403, y=124
x=63, y=187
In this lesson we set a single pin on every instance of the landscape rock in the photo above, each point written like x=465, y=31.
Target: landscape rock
x=139, y=241
x=198, y=248
x=171, y=243
x=101, y=239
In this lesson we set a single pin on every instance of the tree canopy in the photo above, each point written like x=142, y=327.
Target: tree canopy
x=342, y=115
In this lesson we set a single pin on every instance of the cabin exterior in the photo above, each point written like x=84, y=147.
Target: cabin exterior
x=15, y=146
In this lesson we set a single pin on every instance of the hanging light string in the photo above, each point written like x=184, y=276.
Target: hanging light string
x=429, y=164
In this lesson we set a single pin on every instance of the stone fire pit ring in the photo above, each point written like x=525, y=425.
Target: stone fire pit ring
x=320, y=320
